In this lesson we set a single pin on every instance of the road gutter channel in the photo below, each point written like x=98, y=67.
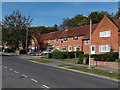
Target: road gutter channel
x=104, y=77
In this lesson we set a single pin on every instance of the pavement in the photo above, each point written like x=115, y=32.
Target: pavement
x=21, y=73
x=56, y=63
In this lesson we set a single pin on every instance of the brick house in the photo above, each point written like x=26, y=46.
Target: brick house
x=104, y=38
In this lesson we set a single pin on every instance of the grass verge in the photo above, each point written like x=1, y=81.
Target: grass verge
x=42, y=61
x=64, y=65
x=96, y=71
x=73, y=60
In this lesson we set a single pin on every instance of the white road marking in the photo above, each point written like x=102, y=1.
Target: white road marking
x=10, y=69
x=34, y=80
x=16, y=72
x=44, y=86
x=5, y=67
x=24, y=75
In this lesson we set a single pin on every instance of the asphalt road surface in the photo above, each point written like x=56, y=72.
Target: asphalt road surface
x=20, y=73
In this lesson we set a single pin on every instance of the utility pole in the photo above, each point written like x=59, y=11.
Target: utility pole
x=90, y=44
x=26, y=39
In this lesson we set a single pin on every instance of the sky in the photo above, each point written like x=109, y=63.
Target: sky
x=50, y=13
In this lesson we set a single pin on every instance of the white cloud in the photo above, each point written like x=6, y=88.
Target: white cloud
x=60, y=0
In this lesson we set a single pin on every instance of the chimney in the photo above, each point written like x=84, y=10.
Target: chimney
x=66, y=28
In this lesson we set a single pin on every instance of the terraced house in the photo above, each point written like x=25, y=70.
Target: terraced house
x=105, y=37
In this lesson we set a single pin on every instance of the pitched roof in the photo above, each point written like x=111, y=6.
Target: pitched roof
x=115, y=21
x=77, y=31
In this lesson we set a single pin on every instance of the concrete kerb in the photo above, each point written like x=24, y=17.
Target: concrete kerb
x=62, y=62
x=103, y=77
x=29, y=57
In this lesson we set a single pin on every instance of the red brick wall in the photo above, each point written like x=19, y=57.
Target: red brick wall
x=69, y=42
x=113, y=65
x=105, y=25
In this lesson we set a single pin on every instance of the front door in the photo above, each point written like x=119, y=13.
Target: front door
x=93, y=49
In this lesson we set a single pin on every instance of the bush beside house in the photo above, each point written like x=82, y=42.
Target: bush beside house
x=64, y=55
x=110, y=56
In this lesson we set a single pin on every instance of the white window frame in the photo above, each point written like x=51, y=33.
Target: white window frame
x=104, y=48
x=87, y=42
x=69, y=48
x=65, y=48
x=105, y=34
x=56, y=40
x=75, y=37
x=64, y=39
x=75, y=47
x=57, y=47
x=48, y=41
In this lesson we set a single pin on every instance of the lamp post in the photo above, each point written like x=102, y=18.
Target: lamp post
x=26, y=39
x=90, y=44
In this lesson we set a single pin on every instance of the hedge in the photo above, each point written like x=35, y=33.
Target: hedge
x=63, y=55
x=82, y=56
x=58, y=55
x=111, y=56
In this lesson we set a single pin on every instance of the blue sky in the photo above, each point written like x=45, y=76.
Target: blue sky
x=50, y=13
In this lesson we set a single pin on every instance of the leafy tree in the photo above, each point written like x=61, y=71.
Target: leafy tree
x=81, y=20
x=97, y=16
x=14, y=28
x=43, y=29
x=117, y=15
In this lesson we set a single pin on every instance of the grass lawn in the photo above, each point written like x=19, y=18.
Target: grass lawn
x=64, y=65
x=73, y=60
x=96, y=71
x=42, y=61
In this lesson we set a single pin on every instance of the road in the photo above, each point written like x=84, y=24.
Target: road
x=20, y=73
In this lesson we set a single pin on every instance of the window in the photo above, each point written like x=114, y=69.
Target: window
x=70, y=48
x=57, y=47
x=64, y=39
x=87, y=42
x=104, y=48
x=33, y=41
x=63, y=48
x=75, y=38
x=48, y=41
x=76, y=48
x=105, y=34
x=55, y=40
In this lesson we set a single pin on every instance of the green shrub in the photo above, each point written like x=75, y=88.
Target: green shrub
x=81, y=57
x=48, y=55
x=64, y=55
x=110, y=56
x=76, y=54
x=58, y=55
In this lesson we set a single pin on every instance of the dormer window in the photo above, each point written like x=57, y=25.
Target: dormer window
x=105, y=34
x=48, y=41
x=75, y=38
x=64, y=39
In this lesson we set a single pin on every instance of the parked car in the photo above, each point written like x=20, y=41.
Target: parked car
x=35, y=52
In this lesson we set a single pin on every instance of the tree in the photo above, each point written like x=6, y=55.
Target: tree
x=43, y=29
x=117, y=15
x=97, y=16
x=14, y=28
